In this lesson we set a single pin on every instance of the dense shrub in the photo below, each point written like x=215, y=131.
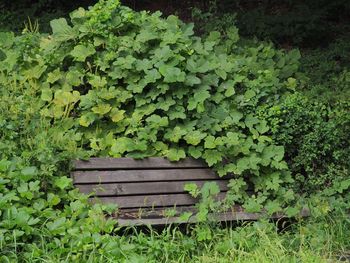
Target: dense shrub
x=316, y=139
x=37, y=201
x=137, y=85
x=328, y=72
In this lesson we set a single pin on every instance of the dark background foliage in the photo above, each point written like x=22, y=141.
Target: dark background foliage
x=302, y=22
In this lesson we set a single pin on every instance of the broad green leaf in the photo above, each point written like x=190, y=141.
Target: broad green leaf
x=199, y=97
x=195, y=152
x=46, y=95
x=61, y=30
x=210, y=142
x=273, y=207
x=236, y=116
x=175, y=154
x=63, y=182
x=122, y=145
x=78, y=14
x=11, y=58
x=117, y=115
x=262, y=127
x=6, y=39
x=249, y=94
x=194, y=137
x=252, y=206
x=102, y=109
x=212, y=157
x=53, y=199
x=172, y=74
x=273, y=181
x=174, y=135
x=192, y=80
x=250, y=121
x=35, y=72
x=292, y=211
x=184, y=217
x=74, y=77
x=4, y=165
x=97, y=81
x=57, y=225
x=143, y=65
x=53, y=76
x=279, y=153
x=243, y=164
x=81, y=52
x=233, y=138
x=63, y=98
x=210, y=189
x=28, y=173
x=158, y=121
x=152, y=76
x=192, y=189
x=87, y=119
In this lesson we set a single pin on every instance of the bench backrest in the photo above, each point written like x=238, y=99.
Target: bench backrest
x=145, y=189
x=147, y=183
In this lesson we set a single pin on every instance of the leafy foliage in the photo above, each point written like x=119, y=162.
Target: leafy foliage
x=327, y=71
x=316, y=138
x=113, y=82
x=137, y=85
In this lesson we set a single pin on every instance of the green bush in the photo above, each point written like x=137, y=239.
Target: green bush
x=328, y=72
x=316, y=140
x=137, y=85
x=37, y=201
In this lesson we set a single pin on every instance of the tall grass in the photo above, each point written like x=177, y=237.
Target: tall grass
x=321, y=240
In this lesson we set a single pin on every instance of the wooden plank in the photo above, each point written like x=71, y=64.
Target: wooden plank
x=133, y=213
x=130, y=163
x=218, y=217
x=164, y=200
x=120, y=176
x=143, y=188
x=144, y=213
x=235, y=215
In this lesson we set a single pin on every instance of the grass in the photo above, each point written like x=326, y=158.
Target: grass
x=313, y=240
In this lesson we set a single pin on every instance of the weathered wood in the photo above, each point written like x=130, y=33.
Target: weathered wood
x=156, y=212
x=235, y=214
x=217, y=217
x=124, y=176
x=142, y=188
x=163, y=200
x=129, y=163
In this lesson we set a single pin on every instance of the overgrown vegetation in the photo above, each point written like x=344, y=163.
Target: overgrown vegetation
x=110, y=81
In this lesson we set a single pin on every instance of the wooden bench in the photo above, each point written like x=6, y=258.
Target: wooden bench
x=144, y=190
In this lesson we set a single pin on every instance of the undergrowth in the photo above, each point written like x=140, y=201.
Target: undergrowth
x=113, y=82
x=324, y=240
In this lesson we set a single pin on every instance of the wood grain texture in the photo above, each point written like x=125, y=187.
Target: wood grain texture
x=218, y=217
x=236, y=214
x=130, y=163
x=124, y=176
x=142, y=188
x=164, y=200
